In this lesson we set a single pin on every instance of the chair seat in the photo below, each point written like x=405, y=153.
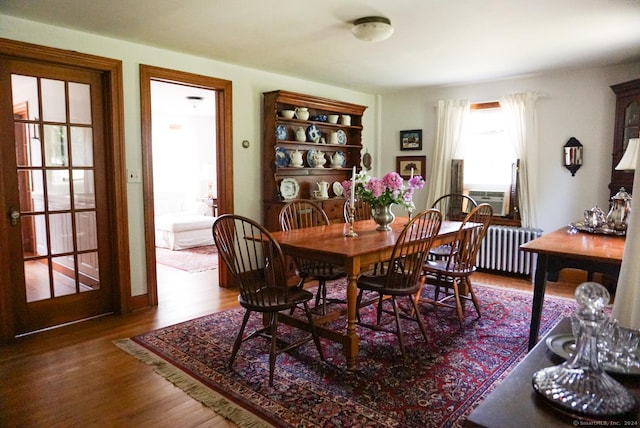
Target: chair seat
x=378, y=283
x=273, y=298
x=441, y=267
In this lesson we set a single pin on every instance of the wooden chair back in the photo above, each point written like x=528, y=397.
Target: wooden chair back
x=464, y=250
x=300, y=214
x=411, y=249
x=454, y=206
x=362, y=211
x=254, y=259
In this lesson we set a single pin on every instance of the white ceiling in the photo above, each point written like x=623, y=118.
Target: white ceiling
x=436, y=42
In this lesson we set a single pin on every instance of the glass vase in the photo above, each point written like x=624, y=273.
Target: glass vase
x=383, y=216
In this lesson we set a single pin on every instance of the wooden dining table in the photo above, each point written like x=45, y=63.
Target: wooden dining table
x=568, y=248
x=330, y=244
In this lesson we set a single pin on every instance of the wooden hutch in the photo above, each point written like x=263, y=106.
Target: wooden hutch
x=278, y=141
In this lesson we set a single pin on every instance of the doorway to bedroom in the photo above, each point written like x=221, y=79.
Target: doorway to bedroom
x=184, y=180
x=187, y=170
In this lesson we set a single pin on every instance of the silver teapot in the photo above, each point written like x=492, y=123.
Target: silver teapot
x=594, y=217
x=618, y=216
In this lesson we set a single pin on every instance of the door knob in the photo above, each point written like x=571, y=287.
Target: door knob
x=14, y=215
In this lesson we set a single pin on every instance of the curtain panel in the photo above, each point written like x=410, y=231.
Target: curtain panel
x=522, y=130
x=451, y=115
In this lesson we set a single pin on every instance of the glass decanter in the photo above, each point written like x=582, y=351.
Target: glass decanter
x=579, y=385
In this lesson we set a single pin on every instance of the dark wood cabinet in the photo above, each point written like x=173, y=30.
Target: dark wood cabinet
x=627, y=125
x=279, y=141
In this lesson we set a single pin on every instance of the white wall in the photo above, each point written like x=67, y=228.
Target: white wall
x=576, y=104
x=248, y=86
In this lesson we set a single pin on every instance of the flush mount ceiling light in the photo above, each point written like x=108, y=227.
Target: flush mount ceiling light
x=194, y=100
x=372, y=28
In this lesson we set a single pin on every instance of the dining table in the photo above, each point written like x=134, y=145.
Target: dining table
x=330, y=243
x=569, y=248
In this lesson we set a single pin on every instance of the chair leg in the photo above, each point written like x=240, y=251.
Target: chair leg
x=419, y=319
x=456, y=293
x=236, y=344
x=379, y=310
x=274, y=350
x=314, y=331
x=358, y=302
x=398, y=328
x=474, y=299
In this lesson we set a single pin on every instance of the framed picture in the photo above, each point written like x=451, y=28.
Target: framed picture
x=411, y=140
x=404, y=165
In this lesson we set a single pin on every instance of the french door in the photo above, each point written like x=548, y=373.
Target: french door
x=58, y=238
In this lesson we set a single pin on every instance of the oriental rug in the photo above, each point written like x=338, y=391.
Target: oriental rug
x=437, y=385
x=195, y=259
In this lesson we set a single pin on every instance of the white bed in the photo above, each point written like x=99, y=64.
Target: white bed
x=183, y=230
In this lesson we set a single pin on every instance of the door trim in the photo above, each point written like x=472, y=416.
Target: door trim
x=224, y=157
x=115, y=167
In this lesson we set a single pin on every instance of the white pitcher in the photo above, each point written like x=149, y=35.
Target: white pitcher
x=302, y=113
x=301, y=135
x=323, y=189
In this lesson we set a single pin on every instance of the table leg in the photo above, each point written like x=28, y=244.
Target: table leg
x=351, y=344
x=540, y=282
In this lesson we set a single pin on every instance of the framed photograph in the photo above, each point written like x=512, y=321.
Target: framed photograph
x=411, y=140
x=404, y=165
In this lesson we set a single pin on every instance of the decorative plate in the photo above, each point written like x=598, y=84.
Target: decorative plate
x=564, y=345
x=338, y=190
x=342, y=137
x=342, y=158
x=281, y=132
x=282, y=157
x=289, y=188
x=313, y=134
x=583, y=227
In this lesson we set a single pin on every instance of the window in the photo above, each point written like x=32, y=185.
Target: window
x=488, y=156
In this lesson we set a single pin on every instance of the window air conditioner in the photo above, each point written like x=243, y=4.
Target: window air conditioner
x=497, y=200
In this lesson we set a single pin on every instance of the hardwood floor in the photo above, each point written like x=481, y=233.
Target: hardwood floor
x=75, y=376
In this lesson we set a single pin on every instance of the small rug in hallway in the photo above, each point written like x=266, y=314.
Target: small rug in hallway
x=437, y=385
x=194, y=259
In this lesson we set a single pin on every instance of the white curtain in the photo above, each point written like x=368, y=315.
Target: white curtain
x=451, y=115
x=522, y=129
x=626, y=306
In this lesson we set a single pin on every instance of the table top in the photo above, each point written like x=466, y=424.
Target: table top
x=514, y=403
x=590, y=246
x=331, y=240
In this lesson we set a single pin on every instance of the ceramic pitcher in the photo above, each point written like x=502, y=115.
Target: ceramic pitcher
x=323, y=189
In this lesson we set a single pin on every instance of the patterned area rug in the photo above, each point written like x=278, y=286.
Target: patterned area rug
x=437, y=385
x=194, y=259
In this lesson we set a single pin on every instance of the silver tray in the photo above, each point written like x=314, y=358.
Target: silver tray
x=582, y=227
x=563, y=346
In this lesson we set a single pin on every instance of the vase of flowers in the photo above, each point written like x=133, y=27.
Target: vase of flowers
x=383, y=192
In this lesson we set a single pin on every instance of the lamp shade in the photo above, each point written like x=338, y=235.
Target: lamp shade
x=372, y=28
x=630, y=158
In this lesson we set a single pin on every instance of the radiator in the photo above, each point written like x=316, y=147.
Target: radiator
x=500, y=250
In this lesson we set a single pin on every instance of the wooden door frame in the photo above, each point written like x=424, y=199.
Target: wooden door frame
x=224, y=158
x=111, y=69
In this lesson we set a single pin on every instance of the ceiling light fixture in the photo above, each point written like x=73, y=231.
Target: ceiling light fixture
x=372, y=28
x=194, y=100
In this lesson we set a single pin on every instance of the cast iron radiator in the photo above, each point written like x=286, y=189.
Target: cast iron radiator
x=500, y=250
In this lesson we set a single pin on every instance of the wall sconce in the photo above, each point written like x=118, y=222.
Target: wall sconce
x=573, y=155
